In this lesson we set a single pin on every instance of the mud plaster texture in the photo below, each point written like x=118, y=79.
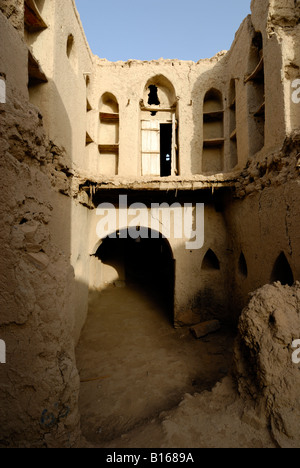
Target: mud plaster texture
x=36, y=293
x=48, y=200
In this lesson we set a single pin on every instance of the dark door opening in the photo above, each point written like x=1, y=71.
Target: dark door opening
x=148, y=263
x=165, y=150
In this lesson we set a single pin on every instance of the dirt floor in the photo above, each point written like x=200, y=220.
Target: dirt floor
x=134, y=366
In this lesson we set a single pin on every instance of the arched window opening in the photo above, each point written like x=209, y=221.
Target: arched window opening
x=282, y=271
x=210, y=261
x=159, y=127
x=243, y=269
x=213, y=132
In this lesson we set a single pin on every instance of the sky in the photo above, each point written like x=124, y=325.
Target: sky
x=170, y=29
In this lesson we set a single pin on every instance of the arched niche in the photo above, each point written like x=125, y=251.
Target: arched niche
x=242, y=266
x=213, y=101
x=72, y=52
x=108, y=139
x=282, y=271
x=108, y=103
x=213, y=132
x=210, y=261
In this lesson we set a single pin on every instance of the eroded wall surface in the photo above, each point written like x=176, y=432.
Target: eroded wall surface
x=39, y=381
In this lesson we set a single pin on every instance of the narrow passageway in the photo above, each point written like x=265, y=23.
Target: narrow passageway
x=133, y=364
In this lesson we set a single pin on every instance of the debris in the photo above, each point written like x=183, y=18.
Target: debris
x=203, y=329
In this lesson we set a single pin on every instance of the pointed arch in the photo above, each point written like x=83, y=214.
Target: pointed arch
x=159, y=91
x=210, y=261
x=282, y=271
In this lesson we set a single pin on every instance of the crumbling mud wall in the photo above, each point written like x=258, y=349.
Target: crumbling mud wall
x=14, y=11
x=263, y=219
x=39, y=382
x=268, y=379
x=48, y=221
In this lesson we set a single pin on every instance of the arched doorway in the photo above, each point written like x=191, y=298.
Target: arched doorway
x=133, y=364
x=145, y=261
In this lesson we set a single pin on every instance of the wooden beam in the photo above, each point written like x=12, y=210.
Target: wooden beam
x=213, y=142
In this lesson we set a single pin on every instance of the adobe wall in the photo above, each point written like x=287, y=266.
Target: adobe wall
x=200, y=293
x=263, y=215
x=191, y=81
x=39, y=382
x=63, y=104
x=49, y=224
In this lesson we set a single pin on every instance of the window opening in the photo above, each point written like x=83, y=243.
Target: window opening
x=153, y=96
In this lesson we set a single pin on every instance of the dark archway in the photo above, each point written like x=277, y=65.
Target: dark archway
x=146, y=261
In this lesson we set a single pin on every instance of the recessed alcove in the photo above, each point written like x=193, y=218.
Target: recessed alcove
x=255, y=80
x=210, y=261
x=109, y=134
x=213, y=132
x=282, y=271
x=232, y=125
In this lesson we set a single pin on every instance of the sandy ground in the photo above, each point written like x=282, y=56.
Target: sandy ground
x=135, y=367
